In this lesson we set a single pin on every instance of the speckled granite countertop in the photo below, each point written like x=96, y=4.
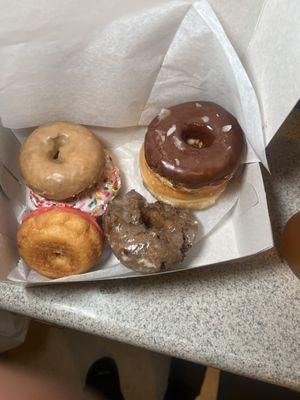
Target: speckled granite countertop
x=242, y=317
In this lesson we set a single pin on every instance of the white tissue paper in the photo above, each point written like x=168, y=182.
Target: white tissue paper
x=13, y=330
x=114, y=67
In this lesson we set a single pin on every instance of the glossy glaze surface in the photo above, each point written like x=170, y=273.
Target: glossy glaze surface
x=194, y=144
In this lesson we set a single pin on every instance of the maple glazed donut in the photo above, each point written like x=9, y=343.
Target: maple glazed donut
x=94, y=200
x=60, y=160
x=190, y=153
x=58, y=242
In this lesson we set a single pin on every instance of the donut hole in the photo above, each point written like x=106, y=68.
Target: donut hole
x=58, y=258
x=152, y=218
x=58, y=255
x=198, y=136
x=56, y=145
x=55, y=156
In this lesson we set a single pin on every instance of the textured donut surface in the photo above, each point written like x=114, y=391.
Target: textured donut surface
x=148, y=237
x=59, y=242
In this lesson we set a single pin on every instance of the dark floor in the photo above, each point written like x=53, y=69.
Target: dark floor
x=187, y=381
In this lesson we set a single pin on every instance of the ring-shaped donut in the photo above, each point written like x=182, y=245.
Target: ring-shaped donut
x=61, y=159
x=194, y=144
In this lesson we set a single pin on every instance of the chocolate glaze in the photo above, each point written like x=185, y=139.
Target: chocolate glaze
x=148, y=237
x=168, y=154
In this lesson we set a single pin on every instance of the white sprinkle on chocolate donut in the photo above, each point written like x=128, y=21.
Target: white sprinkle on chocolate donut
x=171, y=130
x=161, y=135
x=226, y=128
x=178, y=143
x=164, y=113
x=168, y=165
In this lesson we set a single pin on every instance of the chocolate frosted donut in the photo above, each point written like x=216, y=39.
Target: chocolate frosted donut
x=148, y=237
x=194, y=144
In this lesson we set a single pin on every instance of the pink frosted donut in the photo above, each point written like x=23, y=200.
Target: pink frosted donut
x=93, y=201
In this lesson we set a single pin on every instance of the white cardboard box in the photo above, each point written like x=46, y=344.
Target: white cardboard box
x=264, y=34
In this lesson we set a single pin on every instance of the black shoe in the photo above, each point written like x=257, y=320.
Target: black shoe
x=185, y=380
x=103, y=379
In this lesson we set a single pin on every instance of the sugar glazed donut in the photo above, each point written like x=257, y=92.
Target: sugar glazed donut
x=61, y=159
x=58, y=242
x=148, y=237
x=191, y=152
x=93, y=200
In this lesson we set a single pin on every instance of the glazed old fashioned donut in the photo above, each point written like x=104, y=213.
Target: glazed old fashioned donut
x=190, y=153
x=148, y=237
x=61, y=159
x=58, y=242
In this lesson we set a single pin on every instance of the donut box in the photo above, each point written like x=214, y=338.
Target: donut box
x=126, y=85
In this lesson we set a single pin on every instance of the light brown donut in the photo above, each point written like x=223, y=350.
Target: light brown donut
x=59, y=160
x=58, y=241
